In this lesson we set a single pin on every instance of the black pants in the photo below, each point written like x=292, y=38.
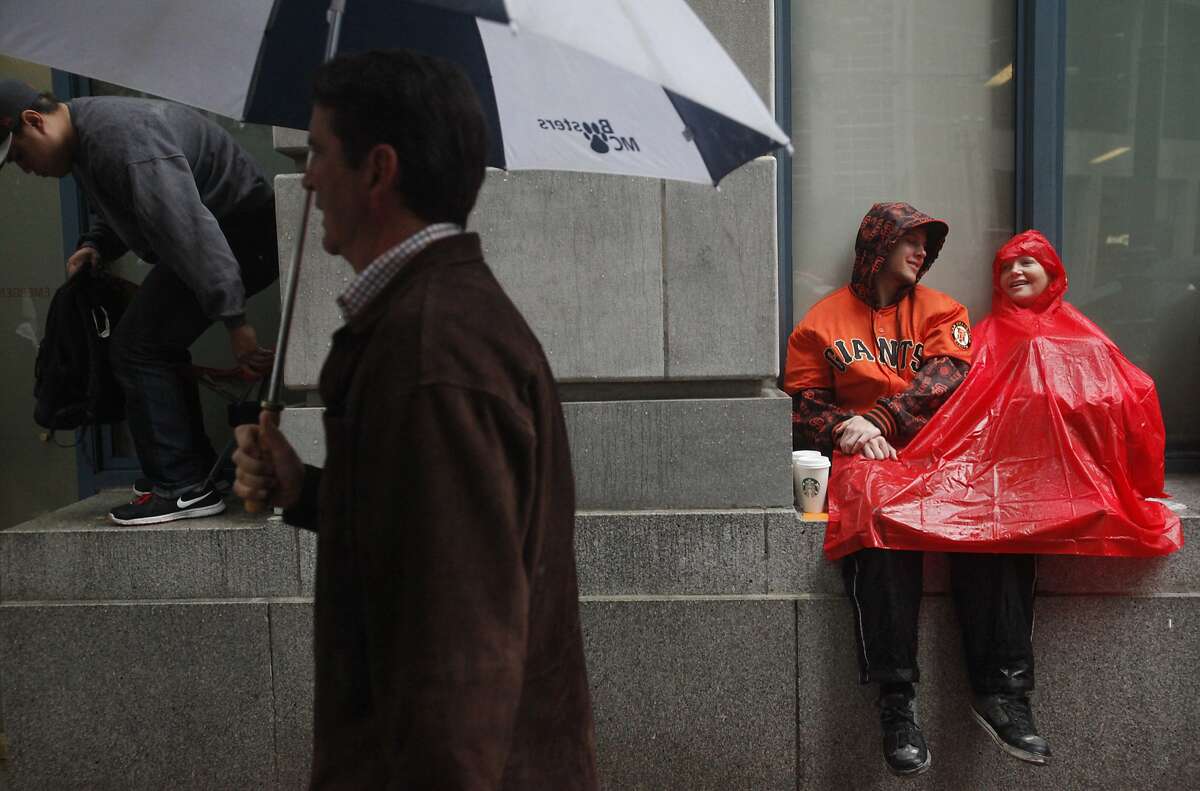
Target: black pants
x=993, y=595
x=149, y=355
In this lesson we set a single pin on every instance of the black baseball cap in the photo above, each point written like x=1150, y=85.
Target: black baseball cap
x=15, y=97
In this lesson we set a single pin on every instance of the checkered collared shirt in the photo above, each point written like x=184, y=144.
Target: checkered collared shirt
x=372, y=280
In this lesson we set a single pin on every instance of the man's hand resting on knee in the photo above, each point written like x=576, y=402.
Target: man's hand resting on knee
x=850, y=435
x=268, y=469
x=859, y=435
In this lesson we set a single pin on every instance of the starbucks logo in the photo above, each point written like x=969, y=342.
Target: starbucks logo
x=809, y=487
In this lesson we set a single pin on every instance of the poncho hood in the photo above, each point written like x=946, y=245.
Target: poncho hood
x=1038, y=247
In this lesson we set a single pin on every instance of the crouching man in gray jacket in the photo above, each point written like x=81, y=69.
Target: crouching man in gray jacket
x=177, y=190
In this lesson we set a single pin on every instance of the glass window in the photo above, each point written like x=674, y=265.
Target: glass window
x=904, y=101
x=1132, y=161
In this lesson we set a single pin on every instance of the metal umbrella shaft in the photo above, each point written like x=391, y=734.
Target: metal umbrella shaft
x=272, y=402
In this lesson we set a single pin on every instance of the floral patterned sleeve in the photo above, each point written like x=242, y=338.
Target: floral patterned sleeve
x=901, y=416
x=814, y=415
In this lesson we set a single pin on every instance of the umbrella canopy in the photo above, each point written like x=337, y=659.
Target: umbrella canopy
x=605, y=86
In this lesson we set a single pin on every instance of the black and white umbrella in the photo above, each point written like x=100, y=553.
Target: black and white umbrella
x=631, y=87
x=634, y=87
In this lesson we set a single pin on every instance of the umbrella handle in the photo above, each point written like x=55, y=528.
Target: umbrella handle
x=258, y=506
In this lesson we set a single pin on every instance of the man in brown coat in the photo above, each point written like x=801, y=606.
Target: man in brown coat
x=447, y=639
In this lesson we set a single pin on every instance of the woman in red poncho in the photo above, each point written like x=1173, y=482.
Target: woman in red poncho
x=1050, y=446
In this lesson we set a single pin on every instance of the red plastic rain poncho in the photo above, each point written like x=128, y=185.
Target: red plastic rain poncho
x=1051, y=445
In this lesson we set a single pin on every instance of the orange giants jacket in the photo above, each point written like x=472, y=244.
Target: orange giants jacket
x=895, y=364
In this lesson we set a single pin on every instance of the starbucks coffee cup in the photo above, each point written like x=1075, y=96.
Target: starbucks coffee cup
x=810, y=479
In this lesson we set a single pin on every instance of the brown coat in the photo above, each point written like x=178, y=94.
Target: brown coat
x=447, y=639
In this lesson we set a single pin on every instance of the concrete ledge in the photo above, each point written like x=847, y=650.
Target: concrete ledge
x=795, y=561
x=239, y=555
x=720, y=652
x=671, y=552
x=797, y=564
x=678, y=453
x=74, y=555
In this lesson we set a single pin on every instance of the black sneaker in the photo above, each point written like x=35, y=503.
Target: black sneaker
x=1008, y=719
x=150, y=509
x=904, y=748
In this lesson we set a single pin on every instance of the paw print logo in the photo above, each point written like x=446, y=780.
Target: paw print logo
x=592, y=132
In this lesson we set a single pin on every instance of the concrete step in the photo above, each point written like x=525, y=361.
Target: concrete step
x=74, y=554
x=719, y=647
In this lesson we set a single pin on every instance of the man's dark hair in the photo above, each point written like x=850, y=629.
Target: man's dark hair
x=45, y=103
x=423, y=107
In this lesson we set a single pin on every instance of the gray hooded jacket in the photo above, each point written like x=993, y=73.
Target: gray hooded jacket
x=160, y=178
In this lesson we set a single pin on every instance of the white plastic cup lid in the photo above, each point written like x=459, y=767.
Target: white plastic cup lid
x=806, y=454
x=817, y=462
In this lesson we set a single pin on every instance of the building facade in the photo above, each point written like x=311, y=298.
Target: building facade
x=718, y=638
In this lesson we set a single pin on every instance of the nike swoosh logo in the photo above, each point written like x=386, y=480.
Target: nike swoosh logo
x=182, y=503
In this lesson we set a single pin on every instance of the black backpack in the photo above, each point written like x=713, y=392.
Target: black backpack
x=74, y=384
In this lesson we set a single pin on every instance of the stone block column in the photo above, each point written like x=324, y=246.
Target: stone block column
x=656, y=305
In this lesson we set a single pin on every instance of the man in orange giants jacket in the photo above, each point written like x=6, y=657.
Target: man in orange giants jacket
x=867, y=367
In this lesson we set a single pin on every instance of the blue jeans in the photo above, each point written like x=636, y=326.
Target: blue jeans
x=149, y=354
